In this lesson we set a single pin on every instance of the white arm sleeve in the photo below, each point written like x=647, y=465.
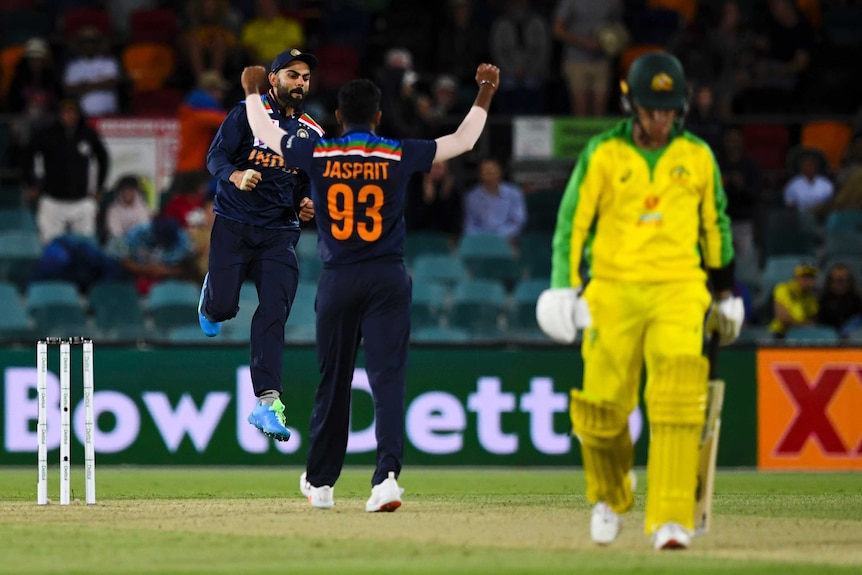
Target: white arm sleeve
x=464, y=138
x=263, y=129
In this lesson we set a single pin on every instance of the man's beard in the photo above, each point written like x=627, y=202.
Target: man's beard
x=290, y=98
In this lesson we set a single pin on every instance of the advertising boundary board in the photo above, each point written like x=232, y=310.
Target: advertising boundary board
x=187, y=405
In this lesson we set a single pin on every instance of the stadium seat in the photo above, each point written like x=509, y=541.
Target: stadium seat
x=15, y=323
x=844, y=220
x=302, y=311
x=17, y=219
x=148, y=65
x=535, y=252
x=158, y=103
x=811, y=334
x=842, y=243
x=440, y=335
x=542, y=207
x=488, y=256
x=115, y=306
x=54, y=306
x=477, y=306
x=420, y=243
x=754, y=335
x=20, y=251
x=9, y=58
x=443, y=269
x=786, y=233
x=830, y=137
x=157, y=25
x=173, y=303
x=778, y=269
x=522, y=311
x=768, y=145
x=76, y=18
x=428, y=304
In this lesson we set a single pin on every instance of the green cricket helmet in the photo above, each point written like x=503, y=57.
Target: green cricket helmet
x=656, y=81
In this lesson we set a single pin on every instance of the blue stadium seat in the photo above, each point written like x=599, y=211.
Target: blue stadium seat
x=172, y=304
x=477, y=306
x=428, y=304
x=488, y=256
x=437, y=268
x=56, y=307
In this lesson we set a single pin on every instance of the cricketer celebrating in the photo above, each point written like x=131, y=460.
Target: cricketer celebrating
x=259, y=203
x=646, y=206
x=359, y=184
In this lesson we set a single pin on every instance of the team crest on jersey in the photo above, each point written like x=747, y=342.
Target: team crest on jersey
x=302, y=133
x=650, y=202
x=679, y=173
x=661, y=82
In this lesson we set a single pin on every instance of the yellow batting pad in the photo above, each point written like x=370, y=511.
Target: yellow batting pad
x=606, y=448
x=676, y=402
x=676, y=392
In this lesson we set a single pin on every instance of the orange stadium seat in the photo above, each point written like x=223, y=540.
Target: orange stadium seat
x=148, y=65
x=686, y=8
x=632, y=53
x=9, y=57
x=828, y=136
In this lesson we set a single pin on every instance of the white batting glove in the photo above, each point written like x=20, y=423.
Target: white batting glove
x=561, y=312
x=726, y=317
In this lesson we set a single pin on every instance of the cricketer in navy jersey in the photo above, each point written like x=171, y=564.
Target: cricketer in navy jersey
x=358, y=184
x=260, y=200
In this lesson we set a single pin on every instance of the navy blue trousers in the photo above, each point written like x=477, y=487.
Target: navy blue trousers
x=368, y=302
x=240, y=252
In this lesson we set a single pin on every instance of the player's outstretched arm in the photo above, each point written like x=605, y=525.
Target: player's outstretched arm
x=253, y=79
x=467, y=134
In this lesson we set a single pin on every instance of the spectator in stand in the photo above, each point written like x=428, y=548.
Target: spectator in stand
x=127, y=209
x=210, y=39
x=731, y=48
x=703, y=119
x=57, y=173
x=494, y=206
x=185, y=201
x=586, y=67
x=840, y=304
x=200, y=116
x=520, y=43
x=793, y=302
x=809, y=189
x=461, y=42
x=199, y=225
x=784, y=45
x=92, y=75
x=35, y=87
x=266, y=35
x=443, y=104
x=434, y=201
x=153, y=252
x=403, y=107
x=76, y=259
x=742, y=187
x=851, y=161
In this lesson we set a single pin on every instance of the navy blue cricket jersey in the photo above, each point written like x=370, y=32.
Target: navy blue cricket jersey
x=272, y=203
x=358, y=185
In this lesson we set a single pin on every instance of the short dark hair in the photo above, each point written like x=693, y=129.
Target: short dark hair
x=359, y=102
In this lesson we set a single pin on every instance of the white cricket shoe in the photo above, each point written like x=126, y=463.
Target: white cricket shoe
x=319, y=497
x=605, y=525
x=671, y=536
x=385, y=496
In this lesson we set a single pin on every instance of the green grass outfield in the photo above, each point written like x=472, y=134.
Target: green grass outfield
x=502, y=521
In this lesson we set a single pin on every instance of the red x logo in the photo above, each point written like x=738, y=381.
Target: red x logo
x=812, y=402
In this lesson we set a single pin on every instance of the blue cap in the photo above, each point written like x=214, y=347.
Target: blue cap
x=289, y=56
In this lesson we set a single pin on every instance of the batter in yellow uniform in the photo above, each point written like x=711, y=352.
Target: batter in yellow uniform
x=644, y=210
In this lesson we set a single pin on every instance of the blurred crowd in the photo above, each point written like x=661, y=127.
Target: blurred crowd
x=63, y=62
